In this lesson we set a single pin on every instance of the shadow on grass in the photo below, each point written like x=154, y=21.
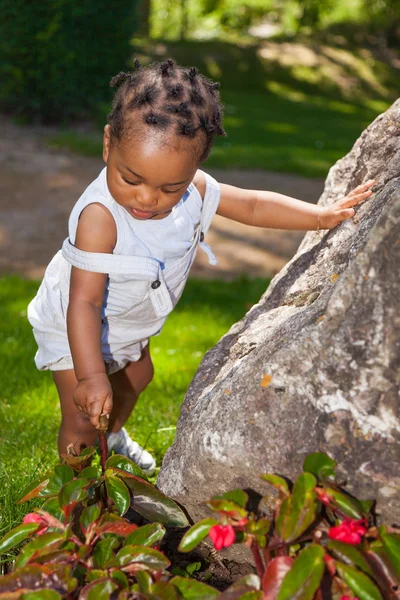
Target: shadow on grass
x=291, y=105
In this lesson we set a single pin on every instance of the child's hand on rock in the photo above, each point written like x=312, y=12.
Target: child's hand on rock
x=331, y=216
x=93, y=396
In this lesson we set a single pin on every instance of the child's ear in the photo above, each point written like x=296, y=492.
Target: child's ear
x=106, y=142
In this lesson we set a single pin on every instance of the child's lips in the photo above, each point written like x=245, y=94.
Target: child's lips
x=141, y=214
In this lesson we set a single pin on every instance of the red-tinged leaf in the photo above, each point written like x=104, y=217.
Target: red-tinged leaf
x=163, y=590
x=359, y=583
x=52, y=506
x=31, y=577
x=80, y=462
x=73, y=491
x=119, y=493
x=95, y=575
x=33, y=489
x=103, y=554
x=51, y=540
x=349, y=505
x=238, y=496
x=144, y=580
x=147, y=535
x=391, y=544
x=320, y=465
x=259, y=527
x=141, y=557
x=62, y=474
x=304, y=578
x=68, y=510
x=274, y=575
x=50, y=520
x=16, y=536
x=42, y=594
x=44, y=556
x=196, y=534
x=120, y=578
x=384, y=572
x=297, y=511
x=99, y=590
x=121, y=528
x=227, y=507
x=89, y=473
x=122, y=463
x=279, y=482
x=89, y=515
x=190, y=589
x=152, y=504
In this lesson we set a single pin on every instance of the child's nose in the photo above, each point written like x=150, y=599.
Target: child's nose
x=147, y=198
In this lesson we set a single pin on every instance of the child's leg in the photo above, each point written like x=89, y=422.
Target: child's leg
x=75, y=426
x=127, y=384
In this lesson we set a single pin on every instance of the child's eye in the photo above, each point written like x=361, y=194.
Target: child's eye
x=130, y=182
x=170, y=192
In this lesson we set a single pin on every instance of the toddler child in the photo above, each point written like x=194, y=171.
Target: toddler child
x=133, y=236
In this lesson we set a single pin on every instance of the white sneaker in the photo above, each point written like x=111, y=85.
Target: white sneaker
x=122, y=443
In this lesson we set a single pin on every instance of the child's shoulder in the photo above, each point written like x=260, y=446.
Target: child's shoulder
x=199, y=181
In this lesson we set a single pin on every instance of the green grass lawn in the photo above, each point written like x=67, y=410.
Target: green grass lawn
x=293, y=106
x=29, y=409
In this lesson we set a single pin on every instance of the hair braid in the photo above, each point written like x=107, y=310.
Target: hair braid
x=170, y=98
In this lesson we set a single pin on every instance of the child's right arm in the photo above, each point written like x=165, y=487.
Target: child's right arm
x=96, y=232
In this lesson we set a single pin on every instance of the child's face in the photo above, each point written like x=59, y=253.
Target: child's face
x=148, y=177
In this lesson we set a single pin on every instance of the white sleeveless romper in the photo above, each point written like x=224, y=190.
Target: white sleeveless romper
x=141, y=291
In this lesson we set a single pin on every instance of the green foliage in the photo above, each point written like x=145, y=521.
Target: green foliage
x=56, y=58
x=309, y=550
x=94, y=552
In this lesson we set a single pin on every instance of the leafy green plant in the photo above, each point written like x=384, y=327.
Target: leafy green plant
x=321, y=542
x=80, y=544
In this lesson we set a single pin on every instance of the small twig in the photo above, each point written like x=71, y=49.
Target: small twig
x=103, y=441
x=216, y=557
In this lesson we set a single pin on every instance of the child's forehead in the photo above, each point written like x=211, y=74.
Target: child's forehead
x=157, y=156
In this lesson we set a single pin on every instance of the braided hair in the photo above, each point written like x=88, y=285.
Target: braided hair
x=166, y=97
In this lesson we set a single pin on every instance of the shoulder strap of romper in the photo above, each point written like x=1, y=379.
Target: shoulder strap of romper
x=210, y=205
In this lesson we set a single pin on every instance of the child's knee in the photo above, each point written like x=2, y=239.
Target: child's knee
x=79, y=424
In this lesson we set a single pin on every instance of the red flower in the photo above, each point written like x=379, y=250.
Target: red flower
x=347, y=598
x=34, y=518
x=222, y=536
x=349, y=532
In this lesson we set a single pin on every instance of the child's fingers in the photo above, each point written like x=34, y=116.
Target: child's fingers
x=107, y=406
x=363, y=187
x=356, y=198
x=94, y=410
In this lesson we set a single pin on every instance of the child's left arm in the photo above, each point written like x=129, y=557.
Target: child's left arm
x=276, y=211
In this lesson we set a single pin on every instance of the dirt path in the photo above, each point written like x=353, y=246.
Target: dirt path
x=38, y=188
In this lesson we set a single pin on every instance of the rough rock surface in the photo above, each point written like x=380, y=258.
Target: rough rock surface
x=315, y=365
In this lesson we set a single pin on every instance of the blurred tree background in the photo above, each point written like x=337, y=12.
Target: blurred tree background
x=300, y=79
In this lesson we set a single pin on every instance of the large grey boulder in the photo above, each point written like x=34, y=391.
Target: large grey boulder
x=315, y=365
